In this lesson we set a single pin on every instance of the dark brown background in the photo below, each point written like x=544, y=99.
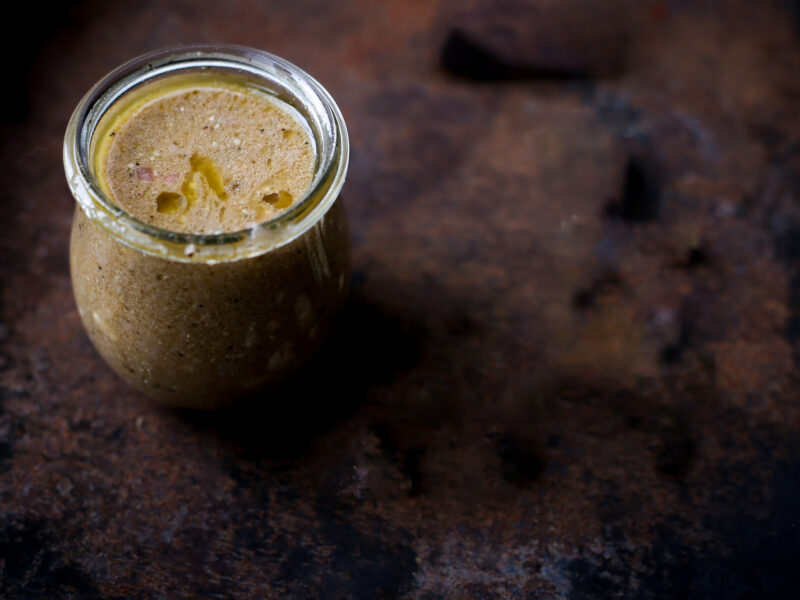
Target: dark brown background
x=569, y=368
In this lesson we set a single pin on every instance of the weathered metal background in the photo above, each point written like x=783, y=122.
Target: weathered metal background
x=570, y=364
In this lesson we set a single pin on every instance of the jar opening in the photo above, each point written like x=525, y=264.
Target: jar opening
x=260, y=70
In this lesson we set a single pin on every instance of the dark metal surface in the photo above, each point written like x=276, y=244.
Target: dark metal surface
x=569, y=367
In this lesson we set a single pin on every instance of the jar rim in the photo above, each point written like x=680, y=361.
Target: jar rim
x=272, y=74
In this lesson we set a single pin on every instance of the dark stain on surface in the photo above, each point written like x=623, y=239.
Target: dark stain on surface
x=595, y=575
x=793, y=7
x=787, y=246
x=408, y=458
x=675, y=448
x=411, y=468
x=363, y=566
x=586, y=297
x=12, y=430
x=32, y=569
x=686, y=573
x=521, y=462
x=747, y=554
x=464, y=57
x=641, y=193
x=590, y=580
x=298, y=568
x=15, y=108
x=461, y=325
x=673, y=352
x=359, y=565
x=753, y=557
x=630, y=407
x=5, y=454
x=696, y=257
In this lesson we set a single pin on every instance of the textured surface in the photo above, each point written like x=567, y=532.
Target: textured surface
x=569, y=367
x=175, y=147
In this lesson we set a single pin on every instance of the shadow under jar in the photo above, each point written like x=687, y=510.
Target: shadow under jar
x=199, y=320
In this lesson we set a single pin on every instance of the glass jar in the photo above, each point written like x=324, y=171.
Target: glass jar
x=200, y=320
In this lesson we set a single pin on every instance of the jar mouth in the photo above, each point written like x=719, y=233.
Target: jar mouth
x=263, y=70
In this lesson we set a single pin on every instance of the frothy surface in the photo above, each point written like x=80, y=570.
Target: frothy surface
x=207, y=159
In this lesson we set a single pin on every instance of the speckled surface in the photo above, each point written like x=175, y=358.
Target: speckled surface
x=569, y=366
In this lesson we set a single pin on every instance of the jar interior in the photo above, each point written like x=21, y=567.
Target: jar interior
x=147, y=77
x=110, y=139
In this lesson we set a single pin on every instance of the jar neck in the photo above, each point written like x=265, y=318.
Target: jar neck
x=260, y=70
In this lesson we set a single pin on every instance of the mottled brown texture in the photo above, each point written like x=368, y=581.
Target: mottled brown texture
x=540, y=39
x=196, y=335
x=252, y=144
x=569, y=367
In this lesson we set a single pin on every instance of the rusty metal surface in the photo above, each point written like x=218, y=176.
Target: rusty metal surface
x=569, y=367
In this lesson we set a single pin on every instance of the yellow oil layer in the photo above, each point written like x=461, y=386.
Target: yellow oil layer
x=203, y=153
x=279, y=200
x=128, y=105
x=170, y=203
x=205, y=167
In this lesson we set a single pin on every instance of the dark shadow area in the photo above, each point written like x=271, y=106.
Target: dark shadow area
x=787, y=247
x=32, y=569
x=465, y=58
x=745, y=555
x=367, y=346
x=640, y=199
x=36, y=26
x=695, y=257
x=586, y=297
x=521, y=460
x=793, y=8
